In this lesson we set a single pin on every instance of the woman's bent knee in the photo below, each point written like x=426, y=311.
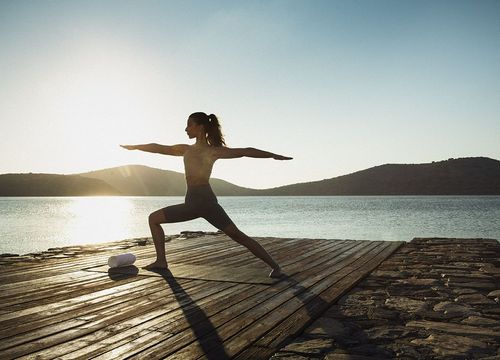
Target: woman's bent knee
x=156, y=218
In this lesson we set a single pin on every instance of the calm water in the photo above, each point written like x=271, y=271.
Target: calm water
x=35, y=224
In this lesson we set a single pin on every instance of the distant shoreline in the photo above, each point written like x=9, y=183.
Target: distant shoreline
x=453, y=177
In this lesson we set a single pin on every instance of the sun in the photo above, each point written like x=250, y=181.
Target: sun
x=98, y=97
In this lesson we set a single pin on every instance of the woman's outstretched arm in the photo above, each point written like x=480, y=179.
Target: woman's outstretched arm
x=175, y=150
x=231, y=153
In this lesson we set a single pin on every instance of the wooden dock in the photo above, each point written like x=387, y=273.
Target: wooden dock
x=216, y=304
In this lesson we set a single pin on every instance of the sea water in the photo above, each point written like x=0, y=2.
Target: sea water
x=29, y=224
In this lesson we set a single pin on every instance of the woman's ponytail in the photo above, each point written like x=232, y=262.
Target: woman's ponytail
x=212, y=128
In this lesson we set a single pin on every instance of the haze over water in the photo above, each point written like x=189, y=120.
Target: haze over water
x=36, y=224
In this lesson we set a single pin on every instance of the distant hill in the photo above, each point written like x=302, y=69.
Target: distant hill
x=141, y=180
x=464, y=176
x=52, y=185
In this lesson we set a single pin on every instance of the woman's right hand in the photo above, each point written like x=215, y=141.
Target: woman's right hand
x=281, y=157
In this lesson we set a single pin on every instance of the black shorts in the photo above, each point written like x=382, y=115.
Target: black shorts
x=200, y=201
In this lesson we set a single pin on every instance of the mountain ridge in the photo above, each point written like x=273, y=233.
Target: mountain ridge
x=461, y=176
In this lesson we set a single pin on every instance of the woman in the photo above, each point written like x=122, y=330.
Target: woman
x=200, y=200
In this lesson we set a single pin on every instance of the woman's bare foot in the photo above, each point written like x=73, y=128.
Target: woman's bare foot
x=276, y=273
x=157, y=265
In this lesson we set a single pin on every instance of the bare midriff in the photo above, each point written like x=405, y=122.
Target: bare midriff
x=198, y=164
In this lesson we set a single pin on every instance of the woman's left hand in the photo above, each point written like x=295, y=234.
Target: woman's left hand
x=128, y=147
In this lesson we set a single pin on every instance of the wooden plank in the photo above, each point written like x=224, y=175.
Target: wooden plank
x=285, y=327
x=129, y=309
x=233, y=319
x=251, y=326
x=33, y=286
x=120, y=344
x=85, y=311
x=56, y=311
x=157, y=309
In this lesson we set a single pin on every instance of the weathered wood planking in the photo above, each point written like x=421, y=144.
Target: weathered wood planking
x=54, y=308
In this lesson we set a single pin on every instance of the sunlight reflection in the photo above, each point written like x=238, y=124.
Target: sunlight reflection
x=98, y=219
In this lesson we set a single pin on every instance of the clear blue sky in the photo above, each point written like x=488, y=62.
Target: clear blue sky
x=339, y=85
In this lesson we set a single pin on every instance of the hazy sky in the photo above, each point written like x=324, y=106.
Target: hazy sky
x=339, y=85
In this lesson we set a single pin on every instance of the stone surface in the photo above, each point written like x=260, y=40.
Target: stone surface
x=481, y=321
x=452, y=328
x=387, y=333
x=474, y=299
x=325, y=326
x=290, y=356
x=494, y=293
x=417, y=282
x=405, y=304
x=337, y=356
x=381, y=312
x=453, y=309
x=453, y=346
x=432, y=299
x=308, y=346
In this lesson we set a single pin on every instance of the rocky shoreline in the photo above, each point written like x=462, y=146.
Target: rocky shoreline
x=79, y=250
x=434, y=298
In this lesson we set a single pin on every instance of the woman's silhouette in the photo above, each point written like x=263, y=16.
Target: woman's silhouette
x=200, y=200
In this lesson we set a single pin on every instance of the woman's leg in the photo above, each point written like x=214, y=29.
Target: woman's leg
x=155, y=219
x=170, y=214
x=241, y=238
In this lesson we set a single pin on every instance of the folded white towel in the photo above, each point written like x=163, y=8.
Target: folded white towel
x=121, y=260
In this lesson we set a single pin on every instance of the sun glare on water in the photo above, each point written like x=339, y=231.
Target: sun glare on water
x=98, y=219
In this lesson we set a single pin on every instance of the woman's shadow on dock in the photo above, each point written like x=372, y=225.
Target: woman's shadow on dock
x=203, y=329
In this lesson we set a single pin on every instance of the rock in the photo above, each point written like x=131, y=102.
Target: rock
x=472, y=285
x=328, y=327
x=490, y=269
x=405, y=351
x=462, y=291
x=384, y=333
x=433, y=315
x=354, y=311
x=455, y=329
x=416, y=282
x=306, y=346
x=468, y=278
x=494, y=294
x=380, y=312
x=453, y=345
x=492, y=311
x=474, y=299
x=389, y=274
x=289, y=356
x=355, y=299
x=480, y=321
x=405, y=304
x=372, y=350
x=337, y=356
x=454, y=310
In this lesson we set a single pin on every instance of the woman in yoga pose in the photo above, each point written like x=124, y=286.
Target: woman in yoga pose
x=200, y=200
